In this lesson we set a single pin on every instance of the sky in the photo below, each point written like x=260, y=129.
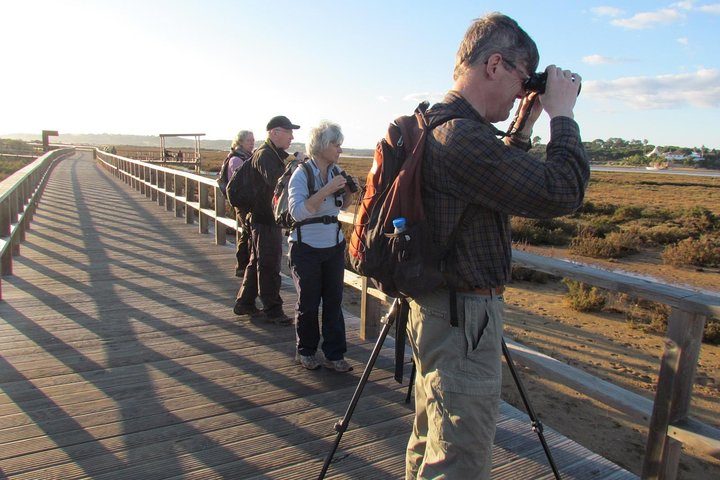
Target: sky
x=650, y=69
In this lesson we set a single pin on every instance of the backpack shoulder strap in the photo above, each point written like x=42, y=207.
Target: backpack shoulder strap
x=310, y=177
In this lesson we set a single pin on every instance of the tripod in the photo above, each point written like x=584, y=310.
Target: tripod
x=387, y=320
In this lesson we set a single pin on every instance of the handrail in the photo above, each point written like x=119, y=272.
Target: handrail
x=668, y=413
x=19, y=194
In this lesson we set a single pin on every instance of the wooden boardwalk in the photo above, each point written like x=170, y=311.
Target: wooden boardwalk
x=121, y=359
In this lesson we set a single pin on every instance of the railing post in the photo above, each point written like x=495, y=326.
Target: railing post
x=154, y=185
x=177, y=189
x=5, y=222
x=370, y=313
x=189, y=197
x=143, y=186
x=161, y=185
x=660, y=419
x=169, y=201
x=685, y=330
x=204, y=200
x=15, y=209
x=220, y=227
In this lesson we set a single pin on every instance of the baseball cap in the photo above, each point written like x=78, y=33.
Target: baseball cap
x=282, y=122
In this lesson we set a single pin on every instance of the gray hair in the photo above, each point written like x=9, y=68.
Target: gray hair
x=240, y=138
x=322, y=136
x=495, y=33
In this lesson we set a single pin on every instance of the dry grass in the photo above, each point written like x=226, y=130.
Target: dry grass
x=654, y=190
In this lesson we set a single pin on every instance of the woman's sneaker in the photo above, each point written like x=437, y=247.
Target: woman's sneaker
x=307, y=361
x=337, y=365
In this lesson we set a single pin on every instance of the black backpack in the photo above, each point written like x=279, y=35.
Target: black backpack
x=222, y=178
x=281, y=194
x=244, y=187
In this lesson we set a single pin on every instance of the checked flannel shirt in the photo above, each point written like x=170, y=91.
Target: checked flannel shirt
x=467, y=168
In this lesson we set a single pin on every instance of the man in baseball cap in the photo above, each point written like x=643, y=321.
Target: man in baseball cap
x=281, y=121
x=262, y=275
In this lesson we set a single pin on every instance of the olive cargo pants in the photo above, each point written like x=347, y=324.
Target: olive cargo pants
x=457, y=386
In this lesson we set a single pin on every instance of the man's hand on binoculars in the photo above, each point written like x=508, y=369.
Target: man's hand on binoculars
x=561, y=92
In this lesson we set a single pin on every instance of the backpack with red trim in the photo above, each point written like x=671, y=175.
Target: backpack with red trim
x=404, y=264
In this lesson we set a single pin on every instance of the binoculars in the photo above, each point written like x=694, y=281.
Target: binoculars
x=537, y=82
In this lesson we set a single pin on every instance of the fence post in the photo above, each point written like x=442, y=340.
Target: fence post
x=204, y=200
x=660, y=419
x=169, y=201
x=685, y=330
x=370, y=313
x=189, y=197
x=178, y=187
x=154, y=185
x=219, y=213
x=5, y=223
x=162, y=188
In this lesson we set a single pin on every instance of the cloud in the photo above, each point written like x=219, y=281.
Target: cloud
x=607, y=11
x=603, y=60
x=644, y=20
x=686, y=5
x=383, y=98
x=683, y=41
x=697, y=89
x=419, y=97
x=713, y=8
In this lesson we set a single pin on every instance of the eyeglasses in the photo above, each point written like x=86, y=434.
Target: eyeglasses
x=514, y=67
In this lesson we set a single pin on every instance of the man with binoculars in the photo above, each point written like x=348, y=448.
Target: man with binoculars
x=472, y=183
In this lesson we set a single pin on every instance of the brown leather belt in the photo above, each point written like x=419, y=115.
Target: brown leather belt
x=483, y=291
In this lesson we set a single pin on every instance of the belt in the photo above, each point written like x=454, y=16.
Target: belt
x=483, y=291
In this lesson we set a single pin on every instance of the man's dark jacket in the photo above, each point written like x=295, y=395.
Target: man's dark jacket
x=268, y=162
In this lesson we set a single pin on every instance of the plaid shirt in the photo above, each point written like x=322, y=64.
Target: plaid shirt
x=467, y=168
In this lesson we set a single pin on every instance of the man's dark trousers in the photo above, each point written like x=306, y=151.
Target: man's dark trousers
x=262, y=275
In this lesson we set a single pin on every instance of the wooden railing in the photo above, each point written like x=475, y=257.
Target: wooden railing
x=669, y=426
x=19, y=195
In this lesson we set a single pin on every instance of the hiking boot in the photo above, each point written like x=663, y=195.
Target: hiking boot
x=244, y=309
x=278, y=318
x=338, y=365
x=308, y=361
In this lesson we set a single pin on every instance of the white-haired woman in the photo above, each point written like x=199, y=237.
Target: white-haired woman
x=317, y=250
x=241, y=150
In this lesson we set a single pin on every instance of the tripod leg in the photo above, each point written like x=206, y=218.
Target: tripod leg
x=343, y=423
x=411, y=384
x=537, y=425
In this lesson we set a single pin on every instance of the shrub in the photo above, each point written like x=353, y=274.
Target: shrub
x=711, y=334
x=627, y=213
x=652, y=315
x=542, y=232
x=582, y=297
x=597, y=208
x=528, y=275
x=664, y=234
x=701, y=252
x=599, y=226
x=614, y=245
x=698, y=220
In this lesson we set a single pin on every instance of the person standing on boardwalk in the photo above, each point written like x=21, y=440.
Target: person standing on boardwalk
x=472, y=183
x=317, y=250
x=262, y=274
x=241, y=151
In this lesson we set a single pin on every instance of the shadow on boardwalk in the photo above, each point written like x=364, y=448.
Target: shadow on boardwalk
x=121, y=358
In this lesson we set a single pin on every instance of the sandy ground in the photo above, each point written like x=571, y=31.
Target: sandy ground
x=610, y=348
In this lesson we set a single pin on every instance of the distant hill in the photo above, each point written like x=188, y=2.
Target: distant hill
x=154, y=141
